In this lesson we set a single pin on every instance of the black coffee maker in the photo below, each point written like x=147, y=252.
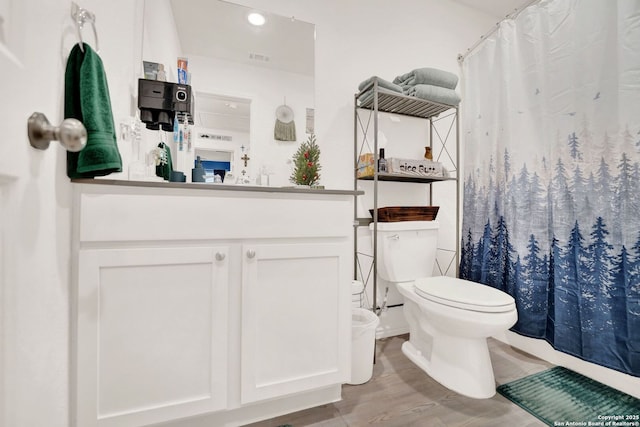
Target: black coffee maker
x=159, y=102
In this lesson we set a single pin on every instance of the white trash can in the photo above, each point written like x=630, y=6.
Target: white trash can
x=363, y=337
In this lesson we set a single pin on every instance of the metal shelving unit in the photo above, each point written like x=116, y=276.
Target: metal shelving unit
x=382, y=176
x=384, y=100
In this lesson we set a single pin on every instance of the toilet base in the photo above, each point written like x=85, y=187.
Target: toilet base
x=465, y=367
x=450, y=343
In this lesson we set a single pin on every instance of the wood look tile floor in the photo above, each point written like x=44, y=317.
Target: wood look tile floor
x=401, y=395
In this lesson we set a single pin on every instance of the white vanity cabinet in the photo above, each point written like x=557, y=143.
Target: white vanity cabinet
x=227, y=305
x=288, y=346
x=151, y=334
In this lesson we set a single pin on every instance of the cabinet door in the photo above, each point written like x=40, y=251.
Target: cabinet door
x=151, y=334
x=295, y=318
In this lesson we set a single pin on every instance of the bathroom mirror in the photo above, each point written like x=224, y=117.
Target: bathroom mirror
x=257, y=68
x=223, y=127
x=220, y=29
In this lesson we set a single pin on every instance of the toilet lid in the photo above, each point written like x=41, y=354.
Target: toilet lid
x=464, y=294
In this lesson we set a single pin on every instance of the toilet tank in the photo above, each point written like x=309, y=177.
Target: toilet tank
x=406, y=249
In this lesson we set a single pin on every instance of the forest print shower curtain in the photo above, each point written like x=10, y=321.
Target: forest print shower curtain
x=551, y=212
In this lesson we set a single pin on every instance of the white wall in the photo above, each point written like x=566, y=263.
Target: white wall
x=365, y=39
x=160, y=37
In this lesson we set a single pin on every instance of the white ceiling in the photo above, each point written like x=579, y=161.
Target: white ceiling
x=498, y=8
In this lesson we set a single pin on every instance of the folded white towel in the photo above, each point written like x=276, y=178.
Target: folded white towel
x=428, y=76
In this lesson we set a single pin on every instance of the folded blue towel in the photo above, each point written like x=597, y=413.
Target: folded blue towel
x=402, y=78
x=381, y=83
x=365, y=97
x=437, y=94
x=406, y=87
x=428, y=76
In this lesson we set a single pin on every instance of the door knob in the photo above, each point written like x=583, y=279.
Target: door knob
x=220, y=256
x=71, y=133
x=251, y=253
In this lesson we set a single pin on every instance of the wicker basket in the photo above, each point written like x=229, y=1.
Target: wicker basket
x=406, y=213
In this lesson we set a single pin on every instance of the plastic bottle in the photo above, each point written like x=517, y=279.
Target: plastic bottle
x=197, y=173
x=162, y=75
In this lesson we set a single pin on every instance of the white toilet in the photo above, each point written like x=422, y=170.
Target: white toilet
x=449, y=319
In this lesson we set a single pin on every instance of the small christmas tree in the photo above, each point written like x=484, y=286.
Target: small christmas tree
x=306, y=163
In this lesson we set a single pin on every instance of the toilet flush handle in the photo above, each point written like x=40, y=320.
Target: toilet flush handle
x=394, y=237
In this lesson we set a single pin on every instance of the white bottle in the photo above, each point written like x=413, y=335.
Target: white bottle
x=161, y=75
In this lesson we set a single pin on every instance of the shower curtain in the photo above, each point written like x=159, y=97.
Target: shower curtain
x=551, y=210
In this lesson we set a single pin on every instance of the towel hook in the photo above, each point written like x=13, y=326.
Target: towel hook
x=82, y=16
x=71, y=133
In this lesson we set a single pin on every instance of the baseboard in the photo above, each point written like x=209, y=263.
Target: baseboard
x=542, y=349
x=392, y=323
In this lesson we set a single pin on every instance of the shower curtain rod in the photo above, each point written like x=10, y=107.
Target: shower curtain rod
x=512, y=15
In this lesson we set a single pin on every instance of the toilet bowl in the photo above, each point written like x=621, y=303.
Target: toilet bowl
x=449, y=323
x=449, y=319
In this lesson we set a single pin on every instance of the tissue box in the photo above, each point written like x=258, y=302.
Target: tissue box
x=366, y=165
x=415, y=167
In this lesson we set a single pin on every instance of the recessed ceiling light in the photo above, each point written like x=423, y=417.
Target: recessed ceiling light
x=256, y=19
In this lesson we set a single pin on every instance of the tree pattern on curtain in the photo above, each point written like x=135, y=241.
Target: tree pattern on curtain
x=582, y=295
x=558, y=226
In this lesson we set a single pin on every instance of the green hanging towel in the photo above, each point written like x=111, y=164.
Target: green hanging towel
x=86, y=98
x=165, y=166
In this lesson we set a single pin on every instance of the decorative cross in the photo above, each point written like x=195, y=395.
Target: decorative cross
x=246, y=159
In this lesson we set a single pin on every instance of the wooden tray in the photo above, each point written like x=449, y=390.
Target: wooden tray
x=406, y=213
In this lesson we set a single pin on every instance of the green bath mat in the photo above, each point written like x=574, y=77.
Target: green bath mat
x=561, y=397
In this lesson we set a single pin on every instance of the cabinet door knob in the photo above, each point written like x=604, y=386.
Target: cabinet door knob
x=220, y=256
x=251, y=253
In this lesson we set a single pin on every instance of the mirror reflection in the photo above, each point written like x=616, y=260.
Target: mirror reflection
x=242, y=75
x=223, y=126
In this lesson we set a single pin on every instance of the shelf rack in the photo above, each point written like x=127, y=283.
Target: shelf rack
x=384, y=100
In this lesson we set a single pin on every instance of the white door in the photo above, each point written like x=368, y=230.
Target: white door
x=35, y=203
x=34, y=253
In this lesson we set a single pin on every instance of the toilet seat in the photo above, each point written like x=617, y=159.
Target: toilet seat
x=464, y=294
